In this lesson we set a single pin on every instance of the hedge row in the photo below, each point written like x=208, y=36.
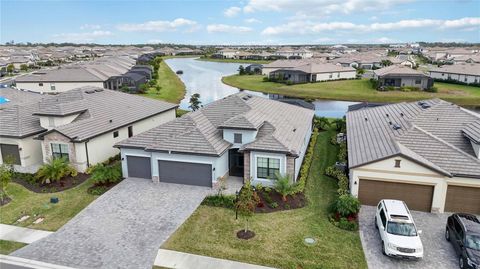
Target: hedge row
x=332, y=171
x=307, y=162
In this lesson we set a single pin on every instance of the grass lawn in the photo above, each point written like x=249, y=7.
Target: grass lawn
x=233, y=61
x=355, y=90
x=279, y=236
x=173, y=89
x=7, y=247
x=25, y=202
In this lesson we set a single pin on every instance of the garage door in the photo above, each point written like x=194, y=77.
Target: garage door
x=185, y=173
x=417, y=197
x=11, y=153
x=463, y=199
x=139, y=167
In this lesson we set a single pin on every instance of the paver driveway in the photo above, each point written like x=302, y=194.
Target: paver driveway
x=438, y=252
x=121, y=229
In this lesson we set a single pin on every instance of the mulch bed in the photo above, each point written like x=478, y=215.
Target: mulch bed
x=58, y=186
x=242, y=234
x=265, y=205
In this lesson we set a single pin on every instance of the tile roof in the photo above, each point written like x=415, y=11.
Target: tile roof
x=396, y=70
x=281, y=127
x=432, y=136
x=467, y=69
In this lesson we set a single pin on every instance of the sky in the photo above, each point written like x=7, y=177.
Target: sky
x=245, y=22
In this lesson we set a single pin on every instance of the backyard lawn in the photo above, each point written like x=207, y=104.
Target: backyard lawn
x=279, y=236
x=234, y=61
x=25, y=202
x=172, y=88
x=7, y=247
x=355, y=90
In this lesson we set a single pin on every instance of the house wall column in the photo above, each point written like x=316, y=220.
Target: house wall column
x=291, y=167
x=246, y=165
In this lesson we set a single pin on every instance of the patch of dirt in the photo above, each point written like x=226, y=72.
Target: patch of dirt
x=268, y=200
x=5, y=201
x=61, y=185
x=242, y=234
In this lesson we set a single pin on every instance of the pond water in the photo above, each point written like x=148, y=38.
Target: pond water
x=205, y=78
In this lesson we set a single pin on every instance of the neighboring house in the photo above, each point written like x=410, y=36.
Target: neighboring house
x=226, y=53
x=424, y=153
x=81, y=125
x=465, y=73
x=314, y=72
x=254, y=69
x=290, y=53
x=287, y=64
x=402, y=76
x=240, y=135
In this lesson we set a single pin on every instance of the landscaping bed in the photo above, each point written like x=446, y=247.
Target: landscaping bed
x=271, y=201
x=28, y=181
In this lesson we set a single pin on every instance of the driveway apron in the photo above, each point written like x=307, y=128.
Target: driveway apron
x=123, y=228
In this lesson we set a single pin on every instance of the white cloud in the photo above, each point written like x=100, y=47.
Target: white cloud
x=385, y=40
x=90, y=27
x=320, y=7
x=252, y=20
x=223, y=28
x=309, y=27
x=81, y=37
x=324, y=40
x=154, y=41
x=232, y=11
x=160, y=26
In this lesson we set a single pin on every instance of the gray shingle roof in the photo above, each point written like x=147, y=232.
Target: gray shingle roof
x=472, y=131
x=398, y=70
x=281, y=127
x=432, y=136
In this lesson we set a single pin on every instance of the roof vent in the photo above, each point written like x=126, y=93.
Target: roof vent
x=387, y=115
x=401, y=114
x=366, y=119
x=390, y=122
x=425, y=106
x=89, y=91
x=421, y=103
x=110, y=121
x=294, y=130
x=396, y=127
x=99, y=90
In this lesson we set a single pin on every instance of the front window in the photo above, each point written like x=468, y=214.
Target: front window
x=267, y=167
x=60, y=151
x=472, y=241
x=400, y=228
x=237, y=138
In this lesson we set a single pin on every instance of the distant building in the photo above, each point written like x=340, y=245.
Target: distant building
x=314, y=72
x=402, y=76
x=465, y=73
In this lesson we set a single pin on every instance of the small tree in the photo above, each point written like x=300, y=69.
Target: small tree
x=321, y=123
x=195, y=101
x=6, y=174
x=10, y=68
x=55, y=170
x=158, y=88
x=124, y=88
x=360, y=71
x=241, y=70
x=143, y=88
x=246, y=203
x=339, y=124
x=386, y=63
x=24, y=67
x=152, y=83
x=283, y=185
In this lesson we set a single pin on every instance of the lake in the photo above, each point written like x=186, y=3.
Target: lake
x=205, y=78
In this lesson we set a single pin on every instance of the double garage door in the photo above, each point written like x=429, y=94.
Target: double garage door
x=171, y=171
x=419, y=197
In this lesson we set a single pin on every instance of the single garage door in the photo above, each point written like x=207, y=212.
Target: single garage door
x=185, y=173
x=463, y=199
x=139, y=167
x=417, y=197
x=10, y=153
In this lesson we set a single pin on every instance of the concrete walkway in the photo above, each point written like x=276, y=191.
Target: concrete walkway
x=181, y=260
x=10, y=262
x=20, y=234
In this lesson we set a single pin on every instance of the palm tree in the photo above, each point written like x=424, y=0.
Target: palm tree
x=195, y=101
x=283, y=185
x=55, y=170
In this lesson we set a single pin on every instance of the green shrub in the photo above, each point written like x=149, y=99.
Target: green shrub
x=265, y=79
x=374, y=83
x=55, y=170
x=346, y=205
x=342, y=153
x=307, y=162
x=345, y=224
x=390, y=88
x=97, y=190
x=289, y=82
x=103, y=174
x=227, y=201
x=273, y=205
x=267, y=198
x=30, y=178
x=432, y=89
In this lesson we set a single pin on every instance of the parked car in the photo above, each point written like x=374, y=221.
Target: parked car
x=463, y=231
x=399, y=234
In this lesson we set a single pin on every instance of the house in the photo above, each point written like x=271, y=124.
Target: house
x=288, y=64
x=81, y=125
x=290, y=53
x=254, y=69
x=314, y=72
x=240, y=135
x=225, y=53
x=465, y=73
x=425, y=153
x=402, y=76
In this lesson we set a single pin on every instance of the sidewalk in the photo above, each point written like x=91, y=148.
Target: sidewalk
x=22, y=235
x=180, y=260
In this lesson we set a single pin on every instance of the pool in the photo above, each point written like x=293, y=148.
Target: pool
x=3, y=100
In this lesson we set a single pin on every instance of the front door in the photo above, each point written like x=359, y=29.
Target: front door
x=235, y=160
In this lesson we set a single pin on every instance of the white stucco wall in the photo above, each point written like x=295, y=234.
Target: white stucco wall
x=299, y=160
x=253, y=167
x=336, y=75
x=247, y=136
x=457, y=77
x=30, y=153
x=409, y=172
x=59, y=86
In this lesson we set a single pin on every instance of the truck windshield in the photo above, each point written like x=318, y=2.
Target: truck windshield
x=400, y=228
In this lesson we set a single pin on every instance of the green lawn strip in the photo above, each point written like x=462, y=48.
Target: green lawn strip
x=172, y=88
x=25, y=202
x=279, y=236
x=7, y=247
x=233, y=61
x=355, y=90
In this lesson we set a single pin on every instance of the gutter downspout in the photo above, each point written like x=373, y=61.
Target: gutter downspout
x=86, y=151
